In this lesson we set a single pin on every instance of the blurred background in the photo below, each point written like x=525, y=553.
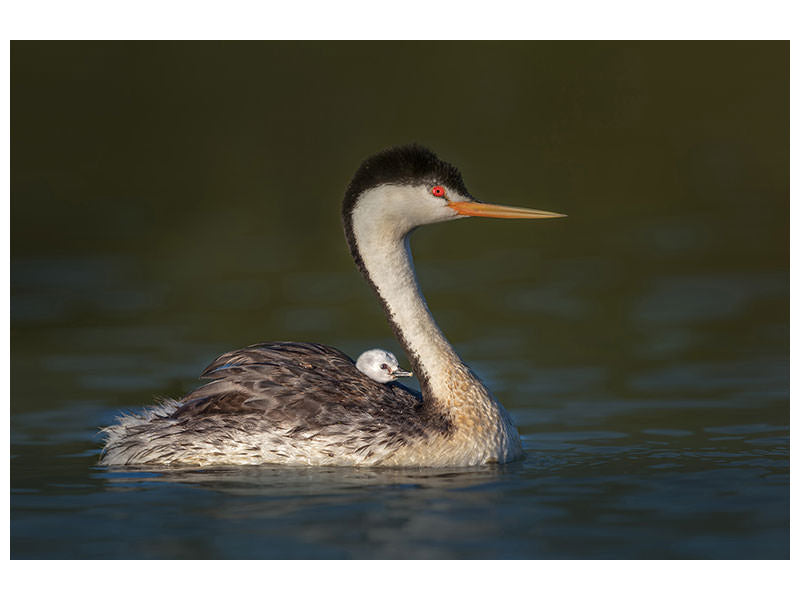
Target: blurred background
x=172, y=201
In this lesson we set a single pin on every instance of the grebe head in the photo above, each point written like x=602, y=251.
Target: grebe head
x=402, y=188
x=380, y=365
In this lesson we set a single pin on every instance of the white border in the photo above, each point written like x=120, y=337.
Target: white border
x=409, y=19
x=399, y=19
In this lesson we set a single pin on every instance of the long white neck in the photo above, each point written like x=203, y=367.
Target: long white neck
x=382, y=245
x=377, y=229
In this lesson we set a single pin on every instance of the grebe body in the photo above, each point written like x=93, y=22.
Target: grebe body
x=308, y=404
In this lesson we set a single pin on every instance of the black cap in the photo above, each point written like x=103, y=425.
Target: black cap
x=405, y=165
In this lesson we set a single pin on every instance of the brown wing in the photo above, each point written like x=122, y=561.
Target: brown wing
x=301, y=387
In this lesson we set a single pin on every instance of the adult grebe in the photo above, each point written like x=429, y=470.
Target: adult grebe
x=296, y=403
x=380, y=365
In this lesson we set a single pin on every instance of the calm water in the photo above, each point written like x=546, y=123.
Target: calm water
x=167, y=208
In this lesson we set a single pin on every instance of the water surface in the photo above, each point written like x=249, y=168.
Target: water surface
x=692, y=454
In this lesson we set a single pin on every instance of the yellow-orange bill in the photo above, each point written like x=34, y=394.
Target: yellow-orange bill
x=497, y=211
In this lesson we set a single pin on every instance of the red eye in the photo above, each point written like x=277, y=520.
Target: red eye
x=437, y=190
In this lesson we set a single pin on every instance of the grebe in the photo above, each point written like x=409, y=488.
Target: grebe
x=308, y=404
x=380, y=365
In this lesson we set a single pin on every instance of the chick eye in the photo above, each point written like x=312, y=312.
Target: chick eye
x=385, y=367
x=437, y=191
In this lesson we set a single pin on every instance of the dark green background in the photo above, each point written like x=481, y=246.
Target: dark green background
x=122, y=145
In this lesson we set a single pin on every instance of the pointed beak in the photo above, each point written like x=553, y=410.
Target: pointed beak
x=497, y=211
x=401, y=373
